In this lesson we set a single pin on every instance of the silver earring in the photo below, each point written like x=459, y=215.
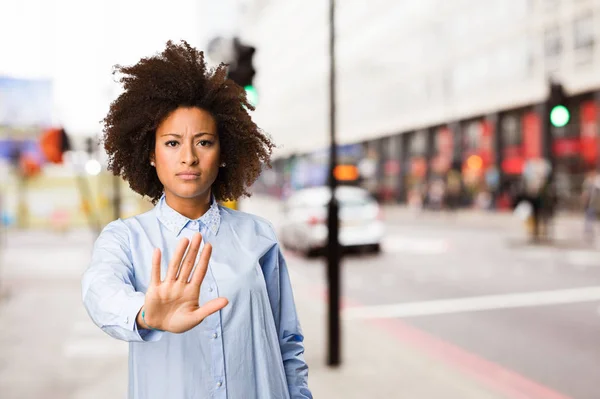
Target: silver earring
x=223, y=164
x=152, y=163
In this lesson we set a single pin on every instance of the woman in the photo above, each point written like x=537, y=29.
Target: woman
x=200, y=292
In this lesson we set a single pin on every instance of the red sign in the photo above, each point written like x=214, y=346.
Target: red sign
x=589, y=132
x=512, y=166
x=532, y=136
x=566, y=147
x=486, y=147
x=418, y=167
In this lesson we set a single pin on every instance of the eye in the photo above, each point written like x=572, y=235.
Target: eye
x=205, y=143
x=171, y=143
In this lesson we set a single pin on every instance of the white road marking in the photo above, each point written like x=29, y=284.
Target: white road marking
x=423, y=246
x=583, y=258
x=471, y=304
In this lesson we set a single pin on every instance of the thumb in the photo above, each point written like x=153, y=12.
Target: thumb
x=209, y=308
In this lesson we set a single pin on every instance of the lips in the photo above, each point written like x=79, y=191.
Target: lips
x=188, y=175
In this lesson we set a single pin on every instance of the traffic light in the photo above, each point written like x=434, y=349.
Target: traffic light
x=242, y=71
x=54, y=143
x=558, y=109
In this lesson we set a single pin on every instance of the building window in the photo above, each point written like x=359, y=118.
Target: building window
x=511, y=131
x=552, y=42
x=583, y=39
x=418, y=144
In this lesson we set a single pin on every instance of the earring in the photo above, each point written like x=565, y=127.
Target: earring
x=223, y=164
x=152, y=163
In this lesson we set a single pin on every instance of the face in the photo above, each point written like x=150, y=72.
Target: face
x=186, y=155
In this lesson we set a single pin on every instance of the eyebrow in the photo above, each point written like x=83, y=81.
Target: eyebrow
x=195, y=135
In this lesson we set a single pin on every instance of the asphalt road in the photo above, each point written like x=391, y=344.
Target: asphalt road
x=530, y=314
x=531, y=310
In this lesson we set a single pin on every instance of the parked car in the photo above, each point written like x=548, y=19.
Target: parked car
x=305, y=227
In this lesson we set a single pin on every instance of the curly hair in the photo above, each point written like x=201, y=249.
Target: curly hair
x=158, y=85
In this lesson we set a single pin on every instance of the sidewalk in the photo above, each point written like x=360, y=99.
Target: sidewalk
x=49, y=348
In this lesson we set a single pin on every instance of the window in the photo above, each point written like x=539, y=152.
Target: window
x=552, y=42
x=583, y=39
x=583, y=31
x=511, y=130
x=418, y=143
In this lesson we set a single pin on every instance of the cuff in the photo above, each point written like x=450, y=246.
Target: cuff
x=130, y=318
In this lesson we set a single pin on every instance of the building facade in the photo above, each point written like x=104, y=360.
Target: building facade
x=427, y=85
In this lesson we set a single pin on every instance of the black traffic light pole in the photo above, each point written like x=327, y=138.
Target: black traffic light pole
x=333, y=245
x=556, y=97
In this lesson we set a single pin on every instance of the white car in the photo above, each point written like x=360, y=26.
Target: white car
x=305, y=225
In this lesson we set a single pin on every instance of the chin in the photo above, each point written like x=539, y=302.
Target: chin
x=189, y=193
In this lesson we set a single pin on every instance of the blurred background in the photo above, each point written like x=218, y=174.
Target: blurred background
x=468, y=155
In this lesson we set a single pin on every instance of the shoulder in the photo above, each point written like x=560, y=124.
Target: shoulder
x=243, y=219
x=122, y=229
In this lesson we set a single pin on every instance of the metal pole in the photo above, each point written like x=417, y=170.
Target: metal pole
x=333, y=247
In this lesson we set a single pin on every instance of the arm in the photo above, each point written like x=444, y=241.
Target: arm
x=108, y=289
x=286, y=319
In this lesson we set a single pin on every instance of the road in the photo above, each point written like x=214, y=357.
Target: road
x=529, y=310
x=462, y=308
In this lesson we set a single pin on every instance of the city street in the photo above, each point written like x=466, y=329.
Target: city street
x=452, y=308
x=529, y=310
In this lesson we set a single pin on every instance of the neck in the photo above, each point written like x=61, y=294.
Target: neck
x=191, y=208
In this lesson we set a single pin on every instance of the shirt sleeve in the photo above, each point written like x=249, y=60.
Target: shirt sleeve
x=291, y=339
x=108, y=289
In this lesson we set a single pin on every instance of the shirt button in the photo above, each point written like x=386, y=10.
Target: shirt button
x=210, y=289
x=126, y=320
x=219, y=384
x=215, y=335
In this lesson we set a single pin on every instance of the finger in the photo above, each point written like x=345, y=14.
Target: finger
x=190, y=258
x=202, y=265
x=209, y=308
x=155, y=276
x=176, y=260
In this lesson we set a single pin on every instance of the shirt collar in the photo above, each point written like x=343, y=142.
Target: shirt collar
x=175, y=221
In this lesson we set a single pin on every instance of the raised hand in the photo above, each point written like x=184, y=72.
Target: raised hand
x=172, y=305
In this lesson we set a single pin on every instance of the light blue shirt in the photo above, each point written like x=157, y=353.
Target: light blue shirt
x=251, y=349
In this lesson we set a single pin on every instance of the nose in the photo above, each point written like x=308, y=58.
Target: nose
x=188, y=155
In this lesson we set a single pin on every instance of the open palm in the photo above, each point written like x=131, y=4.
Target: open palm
x=172, y=305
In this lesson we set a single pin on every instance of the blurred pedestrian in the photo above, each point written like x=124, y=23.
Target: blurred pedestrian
x=548, y=204
x=591, y=203
x=436, y=194
x=526, y=195
x=453, y=189
x=201, y=292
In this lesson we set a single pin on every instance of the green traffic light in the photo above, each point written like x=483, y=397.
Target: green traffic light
x=251, y=95
x=559, y=116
